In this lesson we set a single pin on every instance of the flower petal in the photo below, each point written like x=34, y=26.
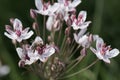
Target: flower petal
x=17, y=24
x=25, y=30
x=38, y=40
x=8, y=35
x=53, y=8
x=99, y=55
x=81, y=32
x=95, y=37
x=38, y=4
x=20, y=52
x=106, y=60
x=27, y=35
x=49, y=50
x=112, y=53
x=49, y=23
x=43, y=59
x=82, y=39
x=60, y=1
x=99, y=43
x=75, y=3
x=82, y=15
x=84, y=25
x=75, y=37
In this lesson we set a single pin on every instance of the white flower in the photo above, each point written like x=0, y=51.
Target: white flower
x=82, y=39
x=42, y=51
x=4, y=70
x=102, y=51
x=26, y=55
x=17, y=33
x=45, y=8
x=80, y=23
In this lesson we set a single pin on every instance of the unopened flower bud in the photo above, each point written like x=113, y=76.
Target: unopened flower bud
x=83, y=52
x=11, y=21
x=56, y=25
x=57, y=50
x=68, y=40
x=60, y=16
x=7, y=27
x=90, y=38
x=67, y=31
x=35, y=26
x=73, y=17
x=69, y=22
x=33, y=14
x=14, y=42
x=49, y=38
x=21, y=63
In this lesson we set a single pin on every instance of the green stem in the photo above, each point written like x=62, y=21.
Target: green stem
x=80, y=70
x=44, y=28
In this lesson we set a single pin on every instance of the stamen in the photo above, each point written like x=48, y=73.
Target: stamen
x=18, y=33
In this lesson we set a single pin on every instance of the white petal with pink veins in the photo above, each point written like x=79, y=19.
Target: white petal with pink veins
x=17, y=24
x=27, y=35
x=99, y=43
x=82, y=15
x=112, y=53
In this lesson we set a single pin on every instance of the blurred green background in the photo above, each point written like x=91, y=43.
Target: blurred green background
x=105, y=17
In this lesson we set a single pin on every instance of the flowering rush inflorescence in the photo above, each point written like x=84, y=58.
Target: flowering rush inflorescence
x=51, y=54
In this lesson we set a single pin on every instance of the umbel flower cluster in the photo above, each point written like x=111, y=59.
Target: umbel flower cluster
x=51, y=53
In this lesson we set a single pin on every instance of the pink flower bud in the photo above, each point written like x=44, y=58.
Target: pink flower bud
x=69, y=22
x=68, y=40
x=7, y=27
x=49, y=38
x=67, y=31
x=35, y=26
x=83, y=52
x=90, y=38
x=33, y=14
x=11, y=21
x=21, y=63
x=56, y=25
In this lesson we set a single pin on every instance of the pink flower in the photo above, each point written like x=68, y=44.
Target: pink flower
x=18, y=33
x=45, y=8
x=80, y=23
x=43, y=51
x=102, y=51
